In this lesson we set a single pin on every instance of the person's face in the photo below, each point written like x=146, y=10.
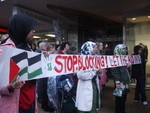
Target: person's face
x=95, y=49
x=53, y=50
x=124, y=51
x=67, y=47
x=100, y=46
x=140, y=51
x=58, y=49
x=43, y=48
x=30, y=35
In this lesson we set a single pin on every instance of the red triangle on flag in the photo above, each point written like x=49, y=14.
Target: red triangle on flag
x=14, y=69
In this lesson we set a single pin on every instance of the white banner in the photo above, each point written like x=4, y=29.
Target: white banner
x=31, y=65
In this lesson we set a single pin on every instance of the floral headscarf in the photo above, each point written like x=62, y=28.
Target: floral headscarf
x=119, y=49
x=87, y=48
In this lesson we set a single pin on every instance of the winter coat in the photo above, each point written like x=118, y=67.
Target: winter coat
x=120, y=74
x=103, y=77
x=84, y=99
x=137, y=69
x=9, y=102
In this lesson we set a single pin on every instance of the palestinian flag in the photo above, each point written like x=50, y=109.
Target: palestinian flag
x=25, y=65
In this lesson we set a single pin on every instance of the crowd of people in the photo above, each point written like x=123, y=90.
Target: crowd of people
x=81, y=92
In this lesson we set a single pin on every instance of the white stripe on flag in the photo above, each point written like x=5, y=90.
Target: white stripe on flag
x=34, y=67
x=23, y=63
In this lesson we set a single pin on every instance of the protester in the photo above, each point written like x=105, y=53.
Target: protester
x=144, y=57
x=87, y=95
x=121, y=79
x=50, y=49
x=8, y=94
x=41, y=49
x=21, y=31
x=64, y=48
x=100, y=48
x=68, y=106
x=138, y=74
x=103, y=77
x=52, y=91
x=57, y=48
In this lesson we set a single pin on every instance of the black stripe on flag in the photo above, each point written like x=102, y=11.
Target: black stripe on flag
x=20, y=57
x=34, y=59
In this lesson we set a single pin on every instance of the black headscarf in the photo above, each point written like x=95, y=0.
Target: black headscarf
x=136, y=49
x=19, y=27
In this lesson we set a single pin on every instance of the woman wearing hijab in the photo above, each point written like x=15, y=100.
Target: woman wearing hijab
x=21, y=31
x=121, y=79
x=87, y=96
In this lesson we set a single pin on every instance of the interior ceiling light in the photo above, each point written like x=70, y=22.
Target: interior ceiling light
x=36, y=37
x=2, y=0
x=133, y=18
x=50, y=35
x=148, y=16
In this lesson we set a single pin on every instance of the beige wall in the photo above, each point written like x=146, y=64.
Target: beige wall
x=142, y=35
x=139, y=33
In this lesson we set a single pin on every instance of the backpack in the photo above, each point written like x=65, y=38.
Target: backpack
x=67, y=92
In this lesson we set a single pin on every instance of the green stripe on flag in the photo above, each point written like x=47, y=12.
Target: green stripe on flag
x=35, y=73
x=14, y=79
x=23, y=71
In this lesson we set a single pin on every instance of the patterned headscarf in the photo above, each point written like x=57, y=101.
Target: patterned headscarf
x=87, y=47
x=119, y=49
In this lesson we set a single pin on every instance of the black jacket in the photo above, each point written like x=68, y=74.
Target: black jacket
x=137, y=69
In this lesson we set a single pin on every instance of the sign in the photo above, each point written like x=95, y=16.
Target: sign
x=31, y=65
x=33, y=14
x=57, y=30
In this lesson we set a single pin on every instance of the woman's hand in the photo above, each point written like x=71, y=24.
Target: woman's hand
x=99, y=70
x=18, y=84
x=45, y=53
